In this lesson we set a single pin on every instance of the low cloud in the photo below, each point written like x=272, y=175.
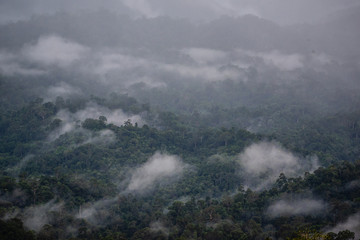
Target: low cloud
x=147, y=82
x=54, y=50
x=292, y=207
x=204, y=55
x=261, y=164
x=215, y=223
x=116, y=117
x=231, y=8
x=284, y=62
x=142, y=7
x=35, y=217
x=11, y=65
x=71, y=121
x=120, y=68
x=199, y=10
x=17, y=196
x=107, y=62
x=160, y=168
x=209, y=67
x=96, y=213
x=321, y=59
x=68, y=124
x=353, y=185
x=352, y=224
x=104, y=137
x=159, y=227
x=204, y=72
x=282, y=11
x=15, y=171
x=34, y=59
x=61, y=89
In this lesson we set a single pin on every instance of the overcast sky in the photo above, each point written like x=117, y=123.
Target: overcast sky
x=280, y=11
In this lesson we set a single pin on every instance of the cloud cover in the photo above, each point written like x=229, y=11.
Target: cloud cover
x=72, y=122
x=54, y=50
x=11, y=64
x=261, y=164
x=15, y=170
x=160, y=168
x=352, y=224
x=291, y=207
x=97, y=213
x=120, y=68
x=35, y=217
x=281, y=11
x=36, y=59
x=284, y=62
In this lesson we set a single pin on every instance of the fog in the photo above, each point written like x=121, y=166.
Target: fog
x=68, y=65
x=275, y=68
x=79, y=53
x=297, y=206
x=72, y=122
x=97, y=213
x=159, y=227
x=35, y=217
x=352, y=224
x=61, y=89
x=17, y=195
x=281, y=11
x=236, y=54
x=159, y=169
x=20, y=9
x=15, y=170
x=279, y=60
x=10, y=66
x=262, y=163
x=53, y=50
x=353, y=185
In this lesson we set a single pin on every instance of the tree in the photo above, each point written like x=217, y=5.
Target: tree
x=13, y=229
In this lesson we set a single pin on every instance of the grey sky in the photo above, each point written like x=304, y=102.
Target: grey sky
x=281, y=11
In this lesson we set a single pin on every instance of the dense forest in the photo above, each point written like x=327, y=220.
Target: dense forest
x=115, y=127
x=188, y=182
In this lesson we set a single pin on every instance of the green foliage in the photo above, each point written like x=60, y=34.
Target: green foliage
x=80, y=173
x=93, y=124
x=13, y=229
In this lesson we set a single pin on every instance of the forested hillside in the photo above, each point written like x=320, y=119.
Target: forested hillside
x=101, y=180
